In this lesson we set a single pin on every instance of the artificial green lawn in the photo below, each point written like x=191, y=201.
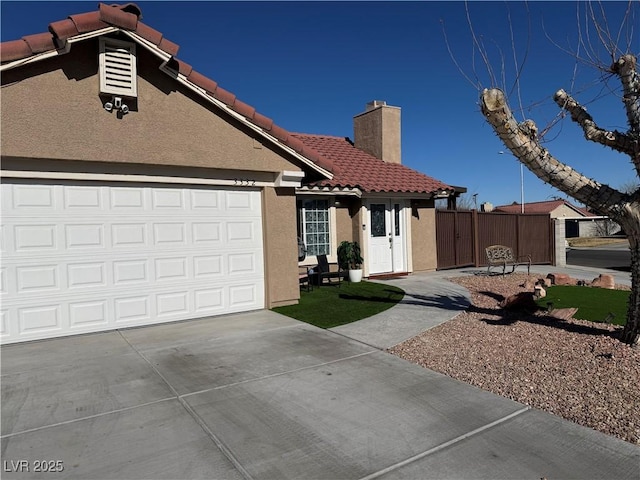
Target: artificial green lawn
x=592, y=303
x=331, y=306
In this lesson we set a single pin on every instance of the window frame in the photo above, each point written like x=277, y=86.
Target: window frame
x=302, y=225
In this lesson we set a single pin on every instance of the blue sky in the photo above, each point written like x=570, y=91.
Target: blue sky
x=312, y=66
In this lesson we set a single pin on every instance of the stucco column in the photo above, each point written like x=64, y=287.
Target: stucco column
x=560, y=242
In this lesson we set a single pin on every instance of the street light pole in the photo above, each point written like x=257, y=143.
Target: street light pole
x=521, y=188
x=521, y=184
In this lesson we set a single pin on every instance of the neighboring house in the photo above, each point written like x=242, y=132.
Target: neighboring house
x=579, y=222
x=137, y=191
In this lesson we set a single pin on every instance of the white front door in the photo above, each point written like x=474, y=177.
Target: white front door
x=386, y=247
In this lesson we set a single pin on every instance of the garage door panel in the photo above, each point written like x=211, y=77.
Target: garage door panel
x=205, y=199
x=126, y=272
x=133, y=309
x=104, y=257
x=169, y=234
x=85, y=198
x=242, y=295
x=40, y=319
x=129, y=235
x=34, y=279
x=87, y=275
x=171, y=269
x=4, y=316
x=88, y=314
x=123, y=199
x=209, y=300
x=29, y=238
x=206, y=233
x=168, y=199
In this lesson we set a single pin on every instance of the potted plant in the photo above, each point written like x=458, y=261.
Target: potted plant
x=350, y=258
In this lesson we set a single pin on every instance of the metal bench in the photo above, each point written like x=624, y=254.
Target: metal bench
x=502, y=256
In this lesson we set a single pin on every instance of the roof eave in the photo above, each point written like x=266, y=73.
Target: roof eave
x=60, y=51
x=317, y=190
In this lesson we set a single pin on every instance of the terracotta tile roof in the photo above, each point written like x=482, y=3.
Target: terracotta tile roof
x=541, y=207
x=358, y=169
x=350, y=166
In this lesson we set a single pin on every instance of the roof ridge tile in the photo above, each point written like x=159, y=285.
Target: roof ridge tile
x=63, y=29
x=118, y=16
x=87, y=22
x=40, y=42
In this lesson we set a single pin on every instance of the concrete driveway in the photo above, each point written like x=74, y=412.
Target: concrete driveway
x=262, y=396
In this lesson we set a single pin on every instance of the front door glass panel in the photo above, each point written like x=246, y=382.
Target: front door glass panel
x=378, y=220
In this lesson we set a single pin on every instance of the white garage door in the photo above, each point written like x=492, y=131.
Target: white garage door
x=80, y=257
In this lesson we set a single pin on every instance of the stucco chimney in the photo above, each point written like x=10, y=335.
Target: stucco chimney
x=377, y=131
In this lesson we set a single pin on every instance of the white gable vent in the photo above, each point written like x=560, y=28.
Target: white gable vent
x=117, y=67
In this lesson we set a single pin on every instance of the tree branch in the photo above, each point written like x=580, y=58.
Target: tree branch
x=523, y=142
x=626, y=69
x=618, y=141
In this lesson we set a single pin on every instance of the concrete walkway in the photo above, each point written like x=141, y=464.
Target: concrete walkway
x=262, y=396
x=429, y=300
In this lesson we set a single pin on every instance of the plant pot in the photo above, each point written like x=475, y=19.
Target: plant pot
x=355, y=276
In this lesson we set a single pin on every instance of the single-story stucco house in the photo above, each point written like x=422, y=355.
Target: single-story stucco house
x=136, y=191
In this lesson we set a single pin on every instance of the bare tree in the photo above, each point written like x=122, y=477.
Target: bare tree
x=524, y=140
x=463, y=202
x=606, y=227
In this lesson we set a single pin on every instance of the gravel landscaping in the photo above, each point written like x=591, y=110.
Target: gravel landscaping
x=571, y=368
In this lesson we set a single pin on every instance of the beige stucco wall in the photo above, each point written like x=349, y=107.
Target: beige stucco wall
x=378, y=132
x=57, y=113
x=348, y=220
x=563, y=211
x=281, y=247
x=423, y=238
x=52, y=113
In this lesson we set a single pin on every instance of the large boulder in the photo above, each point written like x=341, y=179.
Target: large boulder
x=604, y=281
x=519, y=301
x=561, y=279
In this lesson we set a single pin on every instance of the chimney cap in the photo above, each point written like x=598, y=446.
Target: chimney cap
x=375, y=104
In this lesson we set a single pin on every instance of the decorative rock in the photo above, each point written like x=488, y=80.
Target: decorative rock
x=563, y=313
x=539, y=292
x=604, y=281
x=561, y=279
x=547, y=282
x=519, y=301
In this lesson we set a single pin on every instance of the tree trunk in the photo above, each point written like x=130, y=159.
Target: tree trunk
x=523, y=141
x=631, y=332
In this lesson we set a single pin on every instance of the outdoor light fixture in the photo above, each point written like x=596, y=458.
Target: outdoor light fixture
x=118, y=104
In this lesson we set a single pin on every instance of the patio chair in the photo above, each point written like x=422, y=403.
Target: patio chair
x=329, y=271
x=304, y=278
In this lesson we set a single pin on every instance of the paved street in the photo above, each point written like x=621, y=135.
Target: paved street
x=614, y=257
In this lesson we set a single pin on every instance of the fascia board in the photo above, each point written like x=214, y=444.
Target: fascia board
x=61, y=51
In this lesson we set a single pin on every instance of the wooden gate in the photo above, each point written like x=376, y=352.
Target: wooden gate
x=462, y=236
x=454, y=238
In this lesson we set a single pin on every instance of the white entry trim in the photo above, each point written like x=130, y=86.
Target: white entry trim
x=286, y=178
x=395, y=250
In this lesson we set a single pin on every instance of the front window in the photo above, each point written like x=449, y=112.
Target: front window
x=313, y=223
